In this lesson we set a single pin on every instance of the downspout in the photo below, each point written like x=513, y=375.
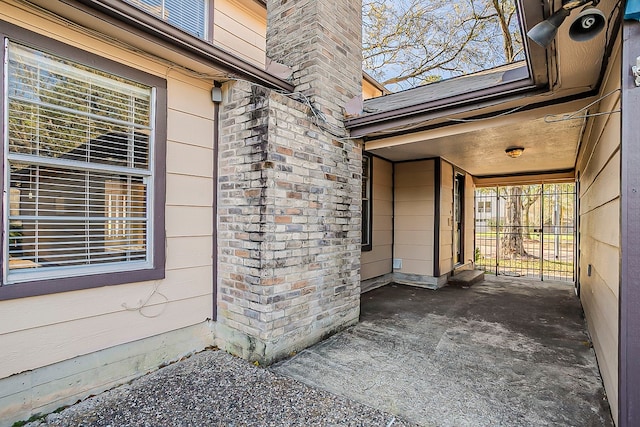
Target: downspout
x=216, y=97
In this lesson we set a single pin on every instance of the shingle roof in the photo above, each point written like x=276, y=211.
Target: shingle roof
x=447, y=88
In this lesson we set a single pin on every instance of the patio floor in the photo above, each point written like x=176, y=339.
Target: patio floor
x=505, y=352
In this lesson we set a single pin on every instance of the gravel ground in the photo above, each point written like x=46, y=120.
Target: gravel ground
x=213, y=388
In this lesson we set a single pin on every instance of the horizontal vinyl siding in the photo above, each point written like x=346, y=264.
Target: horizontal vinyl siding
x=599, y=167
x=241, y=29
x=40, y=331
x=369, y=91
x=377, y=262
x=414, y=216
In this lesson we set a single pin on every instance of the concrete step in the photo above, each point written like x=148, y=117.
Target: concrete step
x=467, y=278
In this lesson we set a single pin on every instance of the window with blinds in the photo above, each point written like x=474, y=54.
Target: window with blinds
x=78, y=164
x=188, y=15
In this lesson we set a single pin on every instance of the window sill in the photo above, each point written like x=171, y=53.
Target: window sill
x=53, y=286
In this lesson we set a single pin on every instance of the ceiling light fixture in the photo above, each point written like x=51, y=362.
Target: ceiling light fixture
x=514, y=152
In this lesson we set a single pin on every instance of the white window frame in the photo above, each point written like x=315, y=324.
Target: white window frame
x=160, y=11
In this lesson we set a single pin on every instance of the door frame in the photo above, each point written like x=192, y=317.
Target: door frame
x=459, y=183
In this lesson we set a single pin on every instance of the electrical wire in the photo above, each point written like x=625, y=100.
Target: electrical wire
x=143, y=304
x=554, y=118
x=504, y=113
x=320, y=118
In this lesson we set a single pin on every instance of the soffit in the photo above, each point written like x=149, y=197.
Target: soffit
x=473, y=135
x=481, y=150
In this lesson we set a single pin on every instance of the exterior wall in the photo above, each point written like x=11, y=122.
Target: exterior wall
x=599, y=194
x=446, y=218
x=240, y=27
x=369, y=90
x=377, y=262
x=414, y=217
x=289, y=226
x=48, y=330
x=45, y=389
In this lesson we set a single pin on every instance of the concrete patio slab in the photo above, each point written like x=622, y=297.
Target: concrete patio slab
x=504, y=352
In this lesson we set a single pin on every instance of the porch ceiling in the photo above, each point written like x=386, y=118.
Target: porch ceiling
x=474, y=133
x=479, y=147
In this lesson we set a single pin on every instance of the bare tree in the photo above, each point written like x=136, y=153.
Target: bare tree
x=530, y=195
x=512, y=239
x=412, y=42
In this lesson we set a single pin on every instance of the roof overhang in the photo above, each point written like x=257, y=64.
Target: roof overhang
x=145, y=32
x=472, y=128
x=530, y=77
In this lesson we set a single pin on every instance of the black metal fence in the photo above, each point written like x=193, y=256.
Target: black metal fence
x=526, y=231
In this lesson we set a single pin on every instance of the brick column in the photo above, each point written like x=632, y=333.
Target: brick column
x=289, y=212
x=289, y=193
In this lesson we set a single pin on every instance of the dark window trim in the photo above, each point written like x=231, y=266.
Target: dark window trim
x=369, y=245
x=44, y=287
x=436, y=216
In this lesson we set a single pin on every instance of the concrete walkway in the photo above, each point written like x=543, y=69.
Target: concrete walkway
x=504, y=352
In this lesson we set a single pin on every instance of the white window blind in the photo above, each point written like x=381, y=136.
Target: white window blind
x=188, y=15
x=78, y=164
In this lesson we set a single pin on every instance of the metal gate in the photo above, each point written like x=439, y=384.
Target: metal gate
x=526, y=231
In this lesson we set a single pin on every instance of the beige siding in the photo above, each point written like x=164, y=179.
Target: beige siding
x=240, y=27
x=414, y=216
x=446, y=218
x=377, y=262
x=40, y=331
x=599, y=168
x=370, y=90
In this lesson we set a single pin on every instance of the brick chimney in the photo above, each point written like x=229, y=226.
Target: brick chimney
x=289, y=189
x=321, y=41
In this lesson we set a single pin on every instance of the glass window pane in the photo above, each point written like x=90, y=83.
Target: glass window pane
x=78, y=162
x=188, y=15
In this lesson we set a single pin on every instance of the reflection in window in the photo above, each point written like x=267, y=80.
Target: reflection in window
x=79, y=165
x=124, y=210
x=484, y=207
